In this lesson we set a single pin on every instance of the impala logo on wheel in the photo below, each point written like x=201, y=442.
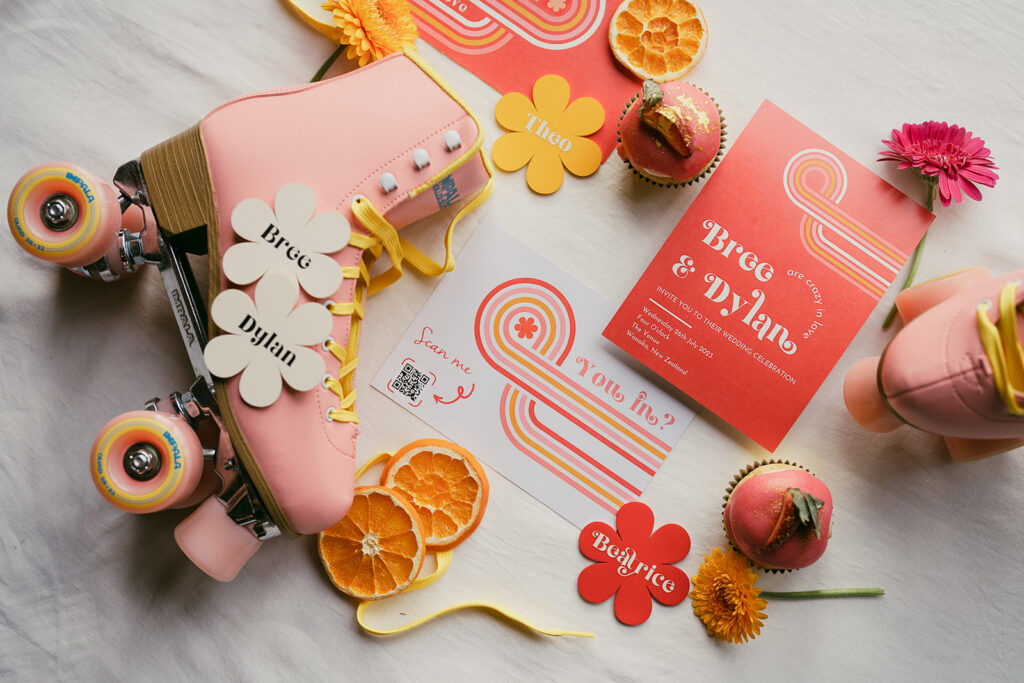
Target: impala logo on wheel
x=82, y=184
x=175, y=450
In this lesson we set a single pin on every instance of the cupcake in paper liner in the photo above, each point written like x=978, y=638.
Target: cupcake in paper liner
x=778, y=515
x=671, y=134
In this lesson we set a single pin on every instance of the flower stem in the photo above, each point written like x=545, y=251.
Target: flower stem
x=327, y=65
x=929, y=203
x=823, y=593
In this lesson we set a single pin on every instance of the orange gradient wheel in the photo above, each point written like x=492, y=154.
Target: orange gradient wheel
x=61, y=213
x=658, y=39
x=146, y=461
x=377, y=549
x=447, y=487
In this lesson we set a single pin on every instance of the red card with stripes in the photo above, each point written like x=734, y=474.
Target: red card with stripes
x=512, y=44
x=769, y=275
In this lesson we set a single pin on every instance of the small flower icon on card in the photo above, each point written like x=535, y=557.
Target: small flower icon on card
x=266, y=339
x=287, y=238
x=525, y=328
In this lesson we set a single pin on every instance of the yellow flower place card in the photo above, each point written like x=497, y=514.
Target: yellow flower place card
x=549, y=133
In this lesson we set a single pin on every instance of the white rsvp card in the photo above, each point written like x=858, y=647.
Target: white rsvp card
x=507, y=359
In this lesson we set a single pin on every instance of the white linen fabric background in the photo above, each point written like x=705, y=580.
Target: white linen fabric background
x=90, y=593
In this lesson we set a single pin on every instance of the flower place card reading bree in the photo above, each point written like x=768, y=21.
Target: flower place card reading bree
x=766, y=279
x=507, y=359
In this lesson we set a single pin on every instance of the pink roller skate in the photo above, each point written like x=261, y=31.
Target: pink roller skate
x=294, y=193
x=956, y=369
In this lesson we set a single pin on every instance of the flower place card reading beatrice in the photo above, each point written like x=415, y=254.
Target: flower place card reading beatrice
x=766, y=279
x=506, y=358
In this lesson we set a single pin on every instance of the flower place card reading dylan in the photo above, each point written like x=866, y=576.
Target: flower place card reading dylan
x=764, y=282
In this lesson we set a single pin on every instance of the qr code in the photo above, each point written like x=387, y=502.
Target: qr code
x=410, y=381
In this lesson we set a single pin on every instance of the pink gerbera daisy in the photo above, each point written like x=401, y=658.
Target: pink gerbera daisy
x=949, y=156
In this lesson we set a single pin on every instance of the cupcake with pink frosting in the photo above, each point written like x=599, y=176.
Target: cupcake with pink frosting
x=778, y=515
x=671, y=133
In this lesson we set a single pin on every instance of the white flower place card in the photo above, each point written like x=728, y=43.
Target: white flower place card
x=266, y=340
x=288, y=238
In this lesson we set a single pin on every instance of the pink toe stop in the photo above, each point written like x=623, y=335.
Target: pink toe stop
x=214, y=542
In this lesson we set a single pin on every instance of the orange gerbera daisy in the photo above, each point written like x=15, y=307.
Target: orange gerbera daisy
x=372, y=28
x=725, y=597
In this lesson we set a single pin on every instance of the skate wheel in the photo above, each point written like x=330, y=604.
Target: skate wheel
x=60, y=213
x=863, y=400
x=919, y=298
x=965, y=450
x=144, y=461
x=214, y=542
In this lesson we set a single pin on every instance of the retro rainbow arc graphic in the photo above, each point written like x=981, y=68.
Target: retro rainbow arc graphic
x=525, y=330
x=815, y=181
x=482, y=26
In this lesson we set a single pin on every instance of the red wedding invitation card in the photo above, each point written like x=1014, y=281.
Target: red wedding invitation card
x=766, y=279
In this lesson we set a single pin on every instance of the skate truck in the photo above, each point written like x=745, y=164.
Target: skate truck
x=293, y=194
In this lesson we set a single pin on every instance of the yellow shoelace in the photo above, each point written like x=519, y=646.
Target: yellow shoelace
x=1002, y=346
x=444, y=560
x=383, y=236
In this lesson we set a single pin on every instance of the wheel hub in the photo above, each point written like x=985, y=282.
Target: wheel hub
x=59, y=212
x=142, y=462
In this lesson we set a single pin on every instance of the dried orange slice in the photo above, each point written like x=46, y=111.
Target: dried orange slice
x=658, y=39
x=377, y=549
x=446, y=485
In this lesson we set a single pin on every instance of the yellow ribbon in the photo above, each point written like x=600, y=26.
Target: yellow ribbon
x=315, y=15
x=444, y=561
x=400, y=251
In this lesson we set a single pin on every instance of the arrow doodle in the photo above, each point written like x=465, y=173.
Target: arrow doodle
x=438, y=399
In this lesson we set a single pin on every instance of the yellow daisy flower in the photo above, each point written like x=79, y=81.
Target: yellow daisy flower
x=549, y=133
x=725, y=598
x=372, y=28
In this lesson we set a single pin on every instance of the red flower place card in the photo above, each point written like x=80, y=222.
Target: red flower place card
x=766, y=279
x=634, y=564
